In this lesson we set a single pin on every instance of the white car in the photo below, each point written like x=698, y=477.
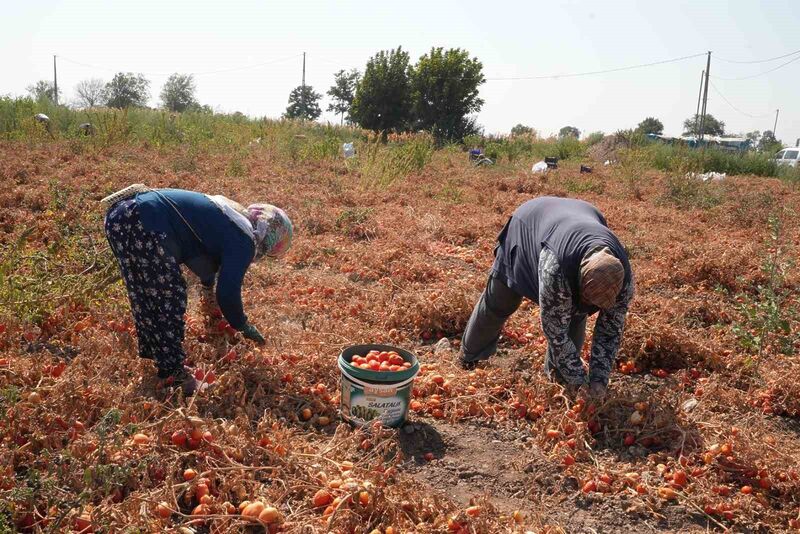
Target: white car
x=788, y=157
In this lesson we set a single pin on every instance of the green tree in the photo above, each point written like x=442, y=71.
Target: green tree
x=383, y=96
x=753, y=136
x=768, y=143
x=127, y=90
x=303, y=104
x=569, y=131
x=444, y=89
x=521, y=129
x=343, y=91
x=43, y=91
x=650, y=125
x=712, y=126
x=90, y=93
x=178, y=93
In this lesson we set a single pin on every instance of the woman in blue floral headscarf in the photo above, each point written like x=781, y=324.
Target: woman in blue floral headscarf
x=154, y=232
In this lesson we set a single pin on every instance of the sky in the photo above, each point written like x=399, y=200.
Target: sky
x=247, y=54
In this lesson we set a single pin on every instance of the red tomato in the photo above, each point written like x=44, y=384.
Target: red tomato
x=374, y=365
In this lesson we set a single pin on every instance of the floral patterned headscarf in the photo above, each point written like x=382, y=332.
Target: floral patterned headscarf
x=272, y=229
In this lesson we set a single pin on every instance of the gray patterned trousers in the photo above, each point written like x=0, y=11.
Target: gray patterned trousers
x=496, y=304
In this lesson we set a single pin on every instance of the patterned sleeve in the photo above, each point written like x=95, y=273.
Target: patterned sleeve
x=557, y=310
x=608, y=335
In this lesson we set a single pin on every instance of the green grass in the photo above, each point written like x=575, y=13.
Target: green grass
x=683, y=159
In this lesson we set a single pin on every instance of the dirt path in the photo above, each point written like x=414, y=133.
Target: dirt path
x=506, y=468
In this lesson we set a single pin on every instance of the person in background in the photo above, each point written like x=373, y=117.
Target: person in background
x=153, y=232
x=560, y=254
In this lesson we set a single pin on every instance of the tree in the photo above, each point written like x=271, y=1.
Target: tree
x=90, y=93
x=753, y=136
x=768, y=143
x=383, y=96
x=444, y=92
x=42, y=91
x=127, y=90
x=178, y=92
x=569, y=131
x=303, y=104
x=650, y=125
x=343, y=91
x=712, y=126
x=521, y=129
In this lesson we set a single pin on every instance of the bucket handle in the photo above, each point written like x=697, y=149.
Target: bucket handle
x=366, y=384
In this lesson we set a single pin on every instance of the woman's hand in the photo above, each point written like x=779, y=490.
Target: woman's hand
x=252, y=333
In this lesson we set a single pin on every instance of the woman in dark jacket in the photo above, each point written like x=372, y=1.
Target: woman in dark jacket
x=155, y=231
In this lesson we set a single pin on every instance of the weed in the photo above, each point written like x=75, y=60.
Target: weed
x=186, y=161
x=632, y=167
x=380, y=164
x=236, y=166
x=451, y=192
x=766, y=318
x=581, y=184
x=689, y=192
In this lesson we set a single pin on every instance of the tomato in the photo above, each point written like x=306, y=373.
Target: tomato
x=667, y=493
x=629, y=440
x=163, y=510
x=679, y=478
x=141, y=439
x=83, y=523
x=569, y=460
x=253, y=509
x=321, y=498
x=201, y=490
x=269, y=515
x=553, y=434
x=589, y=487
x=189, y=474
x=473, y=511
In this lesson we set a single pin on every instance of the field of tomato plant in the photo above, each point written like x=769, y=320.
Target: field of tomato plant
x=699, y=432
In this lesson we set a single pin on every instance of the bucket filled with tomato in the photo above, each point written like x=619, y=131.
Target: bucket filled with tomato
x=376, y=384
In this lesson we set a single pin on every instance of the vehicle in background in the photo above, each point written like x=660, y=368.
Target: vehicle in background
x=788, y=157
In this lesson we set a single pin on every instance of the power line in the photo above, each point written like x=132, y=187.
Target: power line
x=758, y=60
x=760, y=73
x=735, y=108
x=590, y=73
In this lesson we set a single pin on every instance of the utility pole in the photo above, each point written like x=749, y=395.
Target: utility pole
x=776, y=124
x=699, y=96
x=55, y=81
x=705, y=97
x=304, y=70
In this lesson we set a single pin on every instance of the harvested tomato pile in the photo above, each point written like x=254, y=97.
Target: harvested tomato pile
x=383, y=362
x=699, y=430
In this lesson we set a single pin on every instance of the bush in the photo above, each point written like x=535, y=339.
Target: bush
x=676, y=158
x=594, y=138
